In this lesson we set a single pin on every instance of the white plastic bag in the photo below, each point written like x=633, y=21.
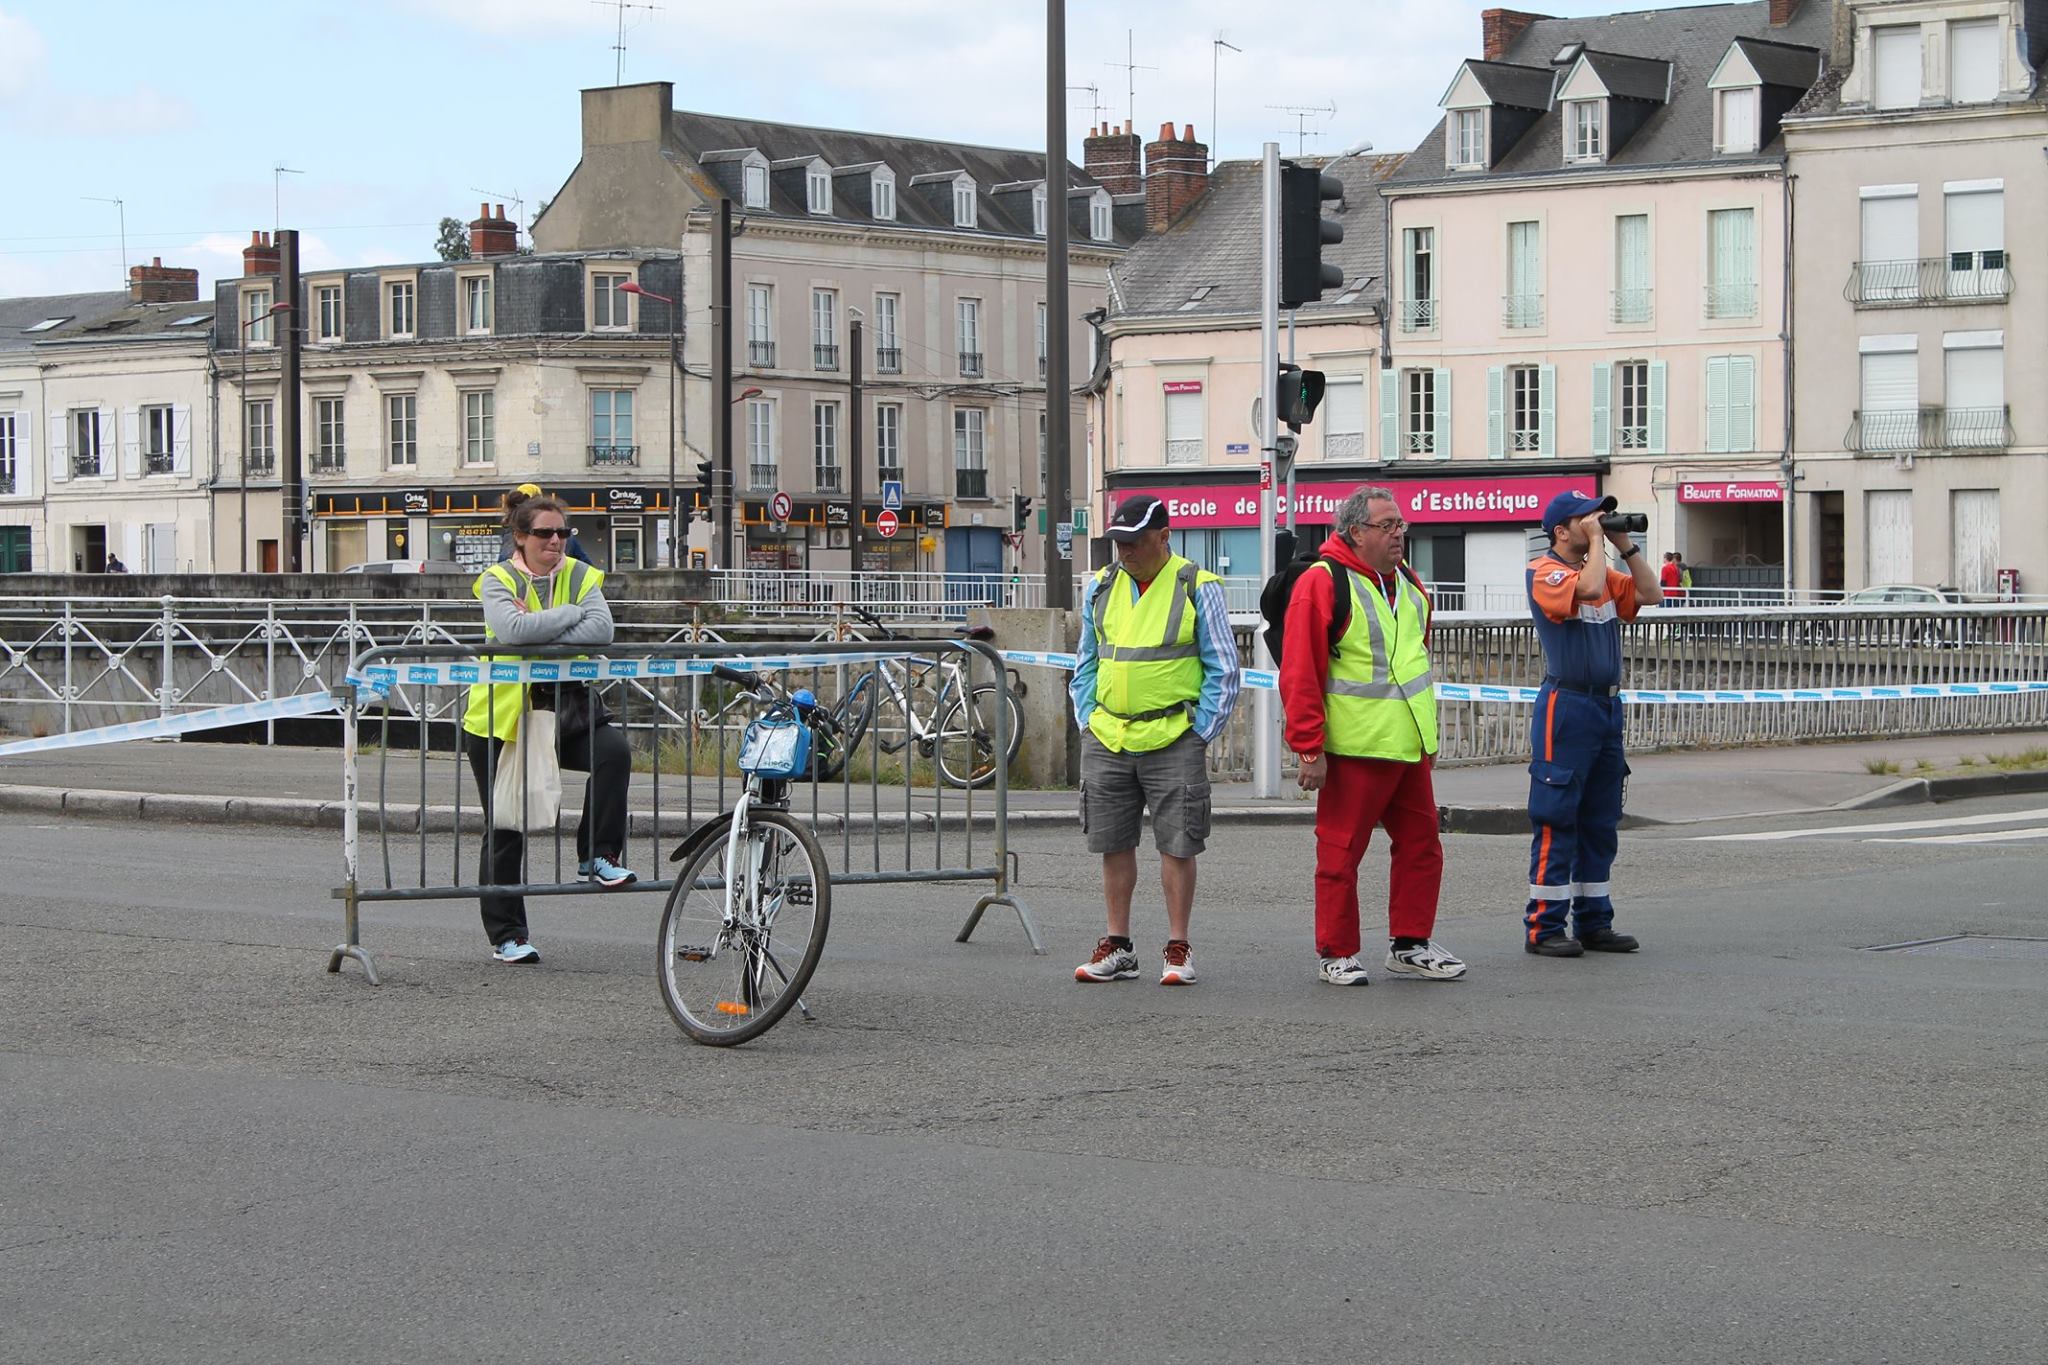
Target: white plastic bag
x=527, y=797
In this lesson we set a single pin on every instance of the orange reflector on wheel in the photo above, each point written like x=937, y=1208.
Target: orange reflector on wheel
x=732, y=1007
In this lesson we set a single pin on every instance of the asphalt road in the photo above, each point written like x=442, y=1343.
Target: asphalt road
x=1753, y=1142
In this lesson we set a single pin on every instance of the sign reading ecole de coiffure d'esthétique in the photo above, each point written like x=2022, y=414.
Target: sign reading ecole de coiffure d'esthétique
x=1506, y=499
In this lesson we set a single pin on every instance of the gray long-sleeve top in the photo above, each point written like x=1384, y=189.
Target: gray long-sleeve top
x=588, y=622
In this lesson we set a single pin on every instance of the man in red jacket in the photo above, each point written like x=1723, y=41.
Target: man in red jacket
x=1363, y=727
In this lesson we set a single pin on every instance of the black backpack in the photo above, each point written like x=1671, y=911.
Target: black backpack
x=1279, y=591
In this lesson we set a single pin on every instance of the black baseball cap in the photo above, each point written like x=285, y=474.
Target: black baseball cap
x=1135, y=516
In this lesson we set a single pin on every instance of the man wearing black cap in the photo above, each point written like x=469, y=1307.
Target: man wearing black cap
x=1156, y=680
x=1579, y=603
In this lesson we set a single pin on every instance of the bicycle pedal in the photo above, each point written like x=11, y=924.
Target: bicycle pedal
x=895, y=747
x=690, y=953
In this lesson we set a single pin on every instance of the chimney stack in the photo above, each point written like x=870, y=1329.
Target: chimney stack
x=160, y=283
x=1176, y=175
x=1111, y=155
x=1782, y=12
x=261, y=256
x=1499, y=28
x=492, y=234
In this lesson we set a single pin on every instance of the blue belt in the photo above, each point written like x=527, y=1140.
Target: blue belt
x=1610, y=690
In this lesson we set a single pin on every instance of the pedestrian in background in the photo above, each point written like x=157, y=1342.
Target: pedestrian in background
x=1361, y=721
x=1579, y=604
x=1156, y=680
x=1671, y=578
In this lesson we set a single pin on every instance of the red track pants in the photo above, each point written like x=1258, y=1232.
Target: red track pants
x=1358, y=794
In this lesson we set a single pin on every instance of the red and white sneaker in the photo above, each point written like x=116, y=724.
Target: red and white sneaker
x=1178, y=969
x=1110, y=963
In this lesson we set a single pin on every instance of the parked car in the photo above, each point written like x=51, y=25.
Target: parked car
x=1901, y=594
x=438, y=566
x=1949, y=633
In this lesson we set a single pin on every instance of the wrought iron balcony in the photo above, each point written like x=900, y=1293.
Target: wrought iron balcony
x=1736, y=300
x=332, y=460
x=825, y=357
x=1041, y=367
x=1418, y=315
x=610, y=456
x=1902, y=430
x=85, y=466
x=970, y=483
x=1343, y=445
x=761, y=478
x=262, y=465
x=828, y=477
x=1419, y=442
x=1521, y=310
x=888, y=360
x=1960, y=277
x=158, y=462
x=762, y=354
x=970, y=364
x=1632, y=305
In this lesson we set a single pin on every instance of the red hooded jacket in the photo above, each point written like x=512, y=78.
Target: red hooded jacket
x=1305, y=672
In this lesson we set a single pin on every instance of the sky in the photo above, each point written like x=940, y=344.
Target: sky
x=392, y=114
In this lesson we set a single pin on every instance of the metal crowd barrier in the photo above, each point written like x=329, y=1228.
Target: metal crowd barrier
x=411, y=814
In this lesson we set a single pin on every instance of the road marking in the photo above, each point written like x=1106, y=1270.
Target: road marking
x=1990, y=837
x=1954, y=822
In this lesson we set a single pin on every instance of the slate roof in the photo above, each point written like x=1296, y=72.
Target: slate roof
x=18, y=315
x=1632, y=78
x=1794, y=68
x=1681, y=132
x=1520, y=87
x=915, y=161
x=1215, y=245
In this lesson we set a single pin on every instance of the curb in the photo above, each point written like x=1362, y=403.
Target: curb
x=1917, y=791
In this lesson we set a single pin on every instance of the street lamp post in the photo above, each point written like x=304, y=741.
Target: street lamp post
x=675, y=364
x=264, y=316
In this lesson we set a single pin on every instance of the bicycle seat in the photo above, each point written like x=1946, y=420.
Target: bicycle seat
x=976, y=632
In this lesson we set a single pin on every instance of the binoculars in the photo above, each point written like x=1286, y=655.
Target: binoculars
x=1637, y=523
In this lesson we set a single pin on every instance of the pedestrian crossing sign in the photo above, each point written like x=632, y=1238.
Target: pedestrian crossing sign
x=892, y=494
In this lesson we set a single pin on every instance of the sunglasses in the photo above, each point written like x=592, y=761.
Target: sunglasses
x=550, y=532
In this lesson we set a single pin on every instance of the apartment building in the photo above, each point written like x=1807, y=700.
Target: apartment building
x=937, y=248
x=1922, y=448
x=1588, y=270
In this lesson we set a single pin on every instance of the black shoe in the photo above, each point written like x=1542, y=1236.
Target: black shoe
x=1554, y=945
x=1607, y=941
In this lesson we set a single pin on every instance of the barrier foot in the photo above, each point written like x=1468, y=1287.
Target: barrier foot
x=360, y=954
x=1023, y=918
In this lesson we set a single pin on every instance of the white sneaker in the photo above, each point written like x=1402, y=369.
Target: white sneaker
x=1177, y=967
x=1110, y=963
x=517, y=950
x=1429, y=961
x=1342, y=971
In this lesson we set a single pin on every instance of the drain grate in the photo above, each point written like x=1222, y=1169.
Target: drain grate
x=1971, y=946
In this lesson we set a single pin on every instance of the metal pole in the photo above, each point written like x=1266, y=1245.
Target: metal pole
x=853, y=442
x=1059, y=473
x=244, y=396
x=721, y=386
x=675, y=365
x=1265, y=740
x=288, y=424
x=1297, y=450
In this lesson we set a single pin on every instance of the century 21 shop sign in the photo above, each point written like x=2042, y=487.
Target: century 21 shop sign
x=1517, y=500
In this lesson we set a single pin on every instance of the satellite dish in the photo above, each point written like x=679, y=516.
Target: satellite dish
x=1359, y=148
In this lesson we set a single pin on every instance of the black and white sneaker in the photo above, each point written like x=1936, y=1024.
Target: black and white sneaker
x=1430, y=961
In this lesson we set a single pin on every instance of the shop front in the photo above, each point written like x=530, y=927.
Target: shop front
x=818, y=534
x=1470, y=534
x=619, y=526
x=1732, y=531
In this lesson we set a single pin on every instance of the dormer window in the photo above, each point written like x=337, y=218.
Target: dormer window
x=1101, y=225
x=818, y=188
x=754, y=185
x=1735, y=121
x=1974, y=50
x=964, y=215
x=1586, y=131
x=1038, y=210
x=883, y=190
x=1468, y=139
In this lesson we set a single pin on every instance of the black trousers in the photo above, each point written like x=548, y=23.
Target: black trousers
x=600, y=833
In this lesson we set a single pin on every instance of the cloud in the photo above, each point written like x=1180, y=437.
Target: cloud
x=22, y=67
x=142, y=112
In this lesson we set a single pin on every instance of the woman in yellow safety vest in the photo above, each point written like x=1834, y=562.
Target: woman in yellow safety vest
x=538, y=596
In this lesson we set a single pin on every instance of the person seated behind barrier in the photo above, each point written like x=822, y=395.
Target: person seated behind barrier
x=575, y=613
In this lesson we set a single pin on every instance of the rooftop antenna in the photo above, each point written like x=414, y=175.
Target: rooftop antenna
x=1301, y=113
x=121, y=209
x=1095, y=104
x=518, y=206
x=277, y=175
x=1130, y=67
x=619, y=44
x=1216, y=47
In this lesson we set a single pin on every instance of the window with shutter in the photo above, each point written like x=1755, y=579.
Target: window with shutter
x=1973, y=540
x=1738, y=120
x=1731, y=291
x=1525, y=276
x=1896, y=50
x=1973, y=50
x=1889, y=270
x=1888, y=536
x=1184, y=428
x=1976, y=243
x=1632, y=268
x=1890, y=413
x=1343, y=419
x=1974, y=397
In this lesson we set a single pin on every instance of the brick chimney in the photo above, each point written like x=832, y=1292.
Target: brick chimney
x=160, y=283
x=1111, y=156
x=492, y=234
x=1176, y=174
x=1500, y=27
x=1782, y=12
x=261, y=256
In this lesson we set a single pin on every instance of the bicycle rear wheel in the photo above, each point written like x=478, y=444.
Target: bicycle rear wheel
x=734, y=957
x=966, y=739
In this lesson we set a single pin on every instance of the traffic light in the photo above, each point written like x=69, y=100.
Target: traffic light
x=1297, y=394
x=1023, y=510
x=707, y=486
x=1304, y=232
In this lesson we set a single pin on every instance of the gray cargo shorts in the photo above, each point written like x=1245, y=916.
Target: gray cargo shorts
x=1116, y=789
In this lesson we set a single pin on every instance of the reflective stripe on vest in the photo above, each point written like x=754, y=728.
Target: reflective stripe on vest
x=1380, y=700
x=494, y=708
x=1148, y=671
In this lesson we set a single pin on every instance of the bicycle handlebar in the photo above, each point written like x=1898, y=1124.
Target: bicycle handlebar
x=752, y=682
x=864, y=614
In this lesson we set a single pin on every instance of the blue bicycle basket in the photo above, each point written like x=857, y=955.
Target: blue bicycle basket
x=778, y=746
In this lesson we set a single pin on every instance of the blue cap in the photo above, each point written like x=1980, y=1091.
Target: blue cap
x=1571, y=506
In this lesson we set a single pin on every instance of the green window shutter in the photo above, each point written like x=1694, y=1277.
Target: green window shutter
x=1390, y=414
x=1443, y=414
x=1717, y=404
x=1657, y=382
x=1603, y=399
x=1496, y=416
x=1546, y=410
x=1741, y=402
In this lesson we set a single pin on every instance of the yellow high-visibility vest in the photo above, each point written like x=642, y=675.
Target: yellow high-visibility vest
x=1148, y=670
x=494, y=708
x=1380, y=700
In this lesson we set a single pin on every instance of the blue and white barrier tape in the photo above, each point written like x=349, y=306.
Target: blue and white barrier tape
x=219, y=717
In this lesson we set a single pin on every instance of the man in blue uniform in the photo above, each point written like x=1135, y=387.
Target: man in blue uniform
x=1579, y=601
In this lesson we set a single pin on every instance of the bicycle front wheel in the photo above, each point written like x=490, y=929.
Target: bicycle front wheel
x=966, y=740
x=735, y=952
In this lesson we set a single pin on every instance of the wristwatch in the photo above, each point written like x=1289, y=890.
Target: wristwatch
x=1633, y=549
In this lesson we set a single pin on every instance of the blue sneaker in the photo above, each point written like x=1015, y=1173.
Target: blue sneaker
x=605, y=872
x=517, y=950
